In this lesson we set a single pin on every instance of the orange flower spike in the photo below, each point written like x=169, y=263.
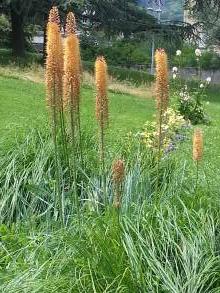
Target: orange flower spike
x=162, y=79
x=101, y=78
x=72, y=65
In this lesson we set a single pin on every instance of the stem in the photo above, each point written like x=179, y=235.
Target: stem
x=56, y=155
x=63, y=134
x=197, y=174
x=102, y=156
x=199, y=69
x=79, y=133
x=102, y=149
x=73, y=125
x=159, y=148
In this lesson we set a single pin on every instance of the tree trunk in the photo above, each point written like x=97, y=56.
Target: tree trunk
x=18, y=38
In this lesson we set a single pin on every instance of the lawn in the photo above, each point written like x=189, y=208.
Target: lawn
x=23, y=108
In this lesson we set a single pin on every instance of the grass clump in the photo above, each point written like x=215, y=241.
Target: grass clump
x=157, y=248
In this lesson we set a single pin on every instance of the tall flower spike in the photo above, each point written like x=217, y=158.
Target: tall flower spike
x=54, y=63
x=101, y=89
x=162, y=88
x=118, y=173
x=72, y=64
x=70, y=23
x=197, y=145
x=54, y=16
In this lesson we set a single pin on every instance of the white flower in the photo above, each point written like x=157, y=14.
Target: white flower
x=201, y=86
x=186, y=97
x=207, y=103
x=198, y=52
x=178, y=53
x=174, y=76
x=175, y=69
x=208, y=79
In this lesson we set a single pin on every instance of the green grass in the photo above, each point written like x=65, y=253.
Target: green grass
x=23, y=107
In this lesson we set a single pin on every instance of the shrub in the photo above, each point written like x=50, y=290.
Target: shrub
x=7, y=58
x=190, y=95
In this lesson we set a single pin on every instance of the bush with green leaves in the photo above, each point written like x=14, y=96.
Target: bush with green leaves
x=190, y=96
x=209, y=61
x=191, y=105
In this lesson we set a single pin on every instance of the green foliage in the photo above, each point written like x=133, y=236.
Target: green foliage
x=191, y=106
x=209, y=60
x=167, y=247
x=117, y=16
x=128, y=52
x=5, y=31
x=124, y=53
x=207, y=13
x=7, y=58
x=190, y=96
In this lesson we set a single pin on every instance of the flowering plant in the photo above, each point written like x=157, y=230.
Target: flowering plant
x=190, y=98
x=173, y=130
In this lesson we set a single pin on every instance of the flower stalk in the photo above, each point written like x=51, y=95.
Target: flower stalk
x=102, y=114
x=53, y=79
x=162, y=98
x=71, y=88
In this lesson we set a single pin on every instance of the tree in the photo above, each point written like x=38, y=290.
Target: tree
x=207, y=14
x=23, y=12
x=16, y=11
x=112, y=17
x=117, y=16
